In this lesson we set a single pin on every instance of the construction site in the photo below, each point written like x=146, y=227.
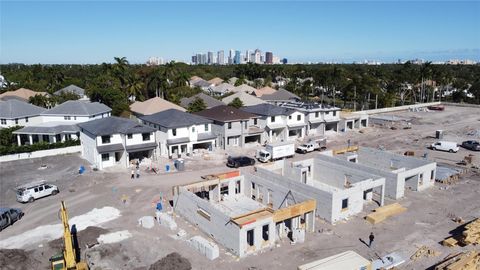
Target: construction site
x=421, y=205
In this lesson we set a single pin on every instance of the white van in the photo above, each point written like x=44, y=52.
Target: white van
x=31, y=192
x=451, y=147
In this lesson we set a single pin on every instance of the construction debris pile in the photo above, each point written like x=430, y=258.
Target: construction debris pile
x=448, y=174
x=423, y=251
x=462, y=261
x=469, y=236
x=382, y=213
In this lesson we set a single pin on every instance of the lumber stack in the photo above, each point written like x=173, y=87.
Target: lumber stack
x=471, y=234
x=423, y=251
x=382, y=213
x=463, y=261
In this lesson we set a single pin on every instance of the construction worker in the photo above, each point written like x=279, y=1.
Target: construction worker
x=371, y=237
x=133, y=174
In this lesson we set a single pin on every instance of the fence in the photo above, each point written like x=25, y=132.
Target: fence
x=42, y=153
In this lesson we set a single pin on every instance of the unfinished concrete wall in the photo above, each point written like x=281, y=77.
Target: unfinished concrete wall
x=259, y=243
x=210, y=220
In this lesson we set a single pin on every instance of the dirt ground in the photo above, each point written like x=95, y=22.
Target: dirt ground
x=427, y=221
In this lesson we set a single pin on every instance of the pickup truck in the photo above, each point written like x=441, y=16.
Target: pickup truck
x=312, y=146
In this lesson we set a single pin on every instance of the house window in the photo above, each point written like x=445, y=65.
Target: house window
x=237, y=187
x=146, y=136
x=299, y=117
x=250, y=239
x=265, y=229
x=206, y=127
x=16, y=121
x=45, y=138
x=203, y=213
x=129, y=136
x=58, y=137
x=224, y=189
x=246, y=126
x=74, y=118
x=344, y=204
x=174, y=132
x=255, y=121
x=334, y=113
x=272, y=119
x=106, y=139
x=193, y=129
x=289, y=117
x=432, y=175
x=105, y=157
x=26, y=119
x=4, y=121
x=66, y=117
x=229, y=125
x=316, y=114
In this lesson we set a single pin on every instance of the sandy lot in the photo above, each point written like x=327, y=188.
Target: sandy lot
x=427, y=221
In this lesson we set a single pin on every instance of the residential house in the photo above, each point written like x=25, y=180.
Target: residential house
x=247, y=99
x=202, y=84
x=319, y=117
x=14, y=112
x=216, y=81
x=231, y=126
x=21, y=94
x=278, y=123
x=244, y=88
x=401, y=172
x=279, y=96
x=340, y=190
x=264, y=91
x=209, y=101
x=237, y=214
x=180, y=133
x=80, y=92
x=116, y=141
x=221, y=89
x=153, y=105
x=59, y=123
x=353, y=121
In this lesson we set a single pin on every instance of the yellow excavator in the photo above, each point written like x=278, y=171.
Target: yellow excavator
x=67, y=260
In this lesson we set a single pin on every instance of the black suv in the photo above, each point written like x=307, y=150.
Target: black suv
x=240, y=161
x=471, y=145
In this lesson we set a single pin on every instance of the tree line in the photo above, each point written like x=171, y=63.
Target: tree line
x=353, y=86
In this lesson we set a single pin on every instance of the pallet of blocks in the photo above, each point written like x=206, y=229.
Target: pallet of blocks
x=382, y=213
x=462, y=261
x=471, y=234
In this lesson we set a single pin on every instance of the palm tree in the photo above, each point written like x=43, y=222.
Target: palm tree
x=134, y=87
x=182, y=79
x=156, y=81
x=119, y=70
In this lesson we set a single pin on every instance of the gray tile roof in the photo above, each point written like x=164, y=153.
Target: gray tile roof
x=48, y=129
x=110, y=148
x=174, y=118
x=178, y=140
x=206, y=136
x=71, y=89
x=202, y=83
x=225, y=114
x=209, y=101
x=267, y=110
x=114, y=125
x=141, y=147
x=14, y=108
x=78, y=108
x=281, y=94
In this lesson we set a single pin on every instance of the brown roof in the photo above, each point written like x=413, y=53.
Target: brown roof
x=216, y=81
x=194, y=78
x=153, y=105
x=225, y=113
x=264, y=91
x=22, y=93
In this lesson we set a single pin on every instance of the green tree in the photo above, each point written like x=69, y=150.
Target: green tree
x=134, y=87
x=240, y=81
x=40, y=100
x=64, y=96
x=196, y=105
x=236, y=102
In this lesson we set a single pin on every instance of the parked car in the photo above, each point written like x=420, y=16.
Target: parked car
x=471, y=145
x=31, y=192
x=451, y=147
x=240, y=161
x=8, y=216
x=312, y=145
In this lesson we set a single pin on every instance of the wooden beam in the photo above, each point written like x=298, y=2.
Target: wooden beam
x=294, y=210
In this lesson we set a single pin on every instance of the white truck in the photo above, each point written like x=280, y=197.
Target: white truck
x=312, y=145
x=276, y=151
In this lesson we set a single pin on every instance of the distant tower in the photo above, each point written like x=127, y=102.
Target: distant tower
x=268, y=58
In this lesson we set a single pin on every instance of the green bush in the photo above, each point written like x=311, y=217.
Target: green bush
x=15, y=149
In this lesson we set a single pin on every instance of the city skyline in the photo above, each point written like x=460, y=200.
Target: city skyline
x=92, y=32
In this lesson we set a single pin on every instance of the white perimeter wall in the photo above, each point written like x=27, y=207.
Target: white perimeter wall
x=42, y=153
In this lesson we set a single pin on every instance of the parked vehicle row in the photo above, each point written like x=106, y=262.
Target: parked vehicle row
x=36, y=190
x=453, y=147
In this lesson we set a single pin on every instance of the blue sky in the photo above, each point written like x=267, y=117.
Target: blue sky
x=96, y=31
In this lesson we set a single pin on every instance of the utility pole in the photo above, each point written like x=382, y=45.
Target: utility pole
x=376, y=101
x=355, y=98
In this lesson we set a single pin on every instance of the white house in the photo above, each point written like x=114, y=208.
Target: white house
x=180, y=132
x=14, y=112
x=116, y=141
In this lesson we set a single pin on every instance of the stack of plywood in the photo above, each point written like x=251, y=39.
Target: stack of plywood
x=382, y=213
x=471, y=234
x=463, y=261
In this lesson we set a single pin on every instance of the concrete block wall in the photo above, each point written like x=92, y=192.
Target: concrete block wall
x=218, y=227
x=205, y=247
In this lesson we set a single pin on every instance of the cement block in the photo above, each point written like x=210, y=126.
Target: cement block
x=205, y=247
x=146, y=222
x=166, y=220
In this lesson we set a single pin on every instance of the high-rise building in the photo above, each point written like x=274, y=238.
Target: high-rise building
x=154, y=61
x=284, y=61
x=220, y=58
x=210, y=58
x=194, y=59
x=268, y=58
x=203, y=59
x=238, y=57
x=231, y=55
x=199, y=59
x=257, y=58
